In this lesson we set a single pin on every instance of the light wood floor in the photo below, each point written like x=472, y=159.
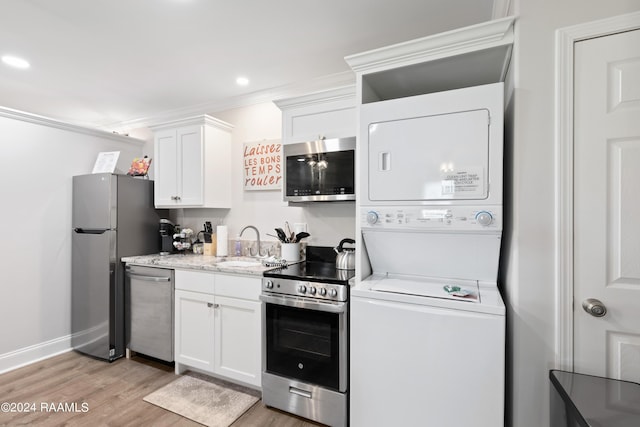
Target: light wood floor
x=110, y=392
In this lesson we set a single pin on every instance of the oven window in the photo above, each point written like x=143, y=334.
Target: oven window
x=320, y=174
x=303, y=344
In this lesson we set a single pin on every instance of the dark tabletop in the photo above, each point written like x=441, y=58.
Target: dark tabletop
x=597, y=401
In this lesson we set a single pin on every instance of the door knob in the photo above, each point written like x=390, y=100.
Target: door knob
x=594, y=307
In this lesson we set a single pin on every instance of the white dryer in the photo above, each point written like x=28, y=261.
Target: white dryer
x=427, y=319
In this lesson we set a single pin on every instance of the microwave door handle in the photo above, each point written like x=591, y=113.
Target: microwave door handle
x=384, y=161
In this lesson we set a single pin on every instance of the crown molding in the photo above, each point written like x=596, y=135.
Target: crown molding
x=57, y=124
x=321, y=97
x=202, y=119
x=477, y=37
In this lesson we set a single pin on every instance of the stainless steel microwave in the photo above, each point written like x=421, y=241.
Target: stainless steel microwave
x=320, y=171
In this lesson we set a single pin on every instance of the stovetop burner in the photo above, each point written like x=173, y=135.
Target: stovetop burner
x=319, y=267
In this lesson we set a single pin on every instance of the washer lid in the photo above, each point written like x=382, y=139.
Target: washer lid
x=462, y=290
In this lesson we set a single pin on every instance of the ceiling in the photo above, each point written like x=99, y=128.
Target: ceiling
x=117, y=64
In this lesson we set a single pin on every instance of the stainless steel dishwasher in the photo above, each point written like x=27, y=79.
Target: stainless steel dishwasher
x=149, y=311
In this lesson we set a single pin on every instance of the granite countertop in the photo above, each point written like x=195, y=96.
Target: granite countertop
x=201, y=262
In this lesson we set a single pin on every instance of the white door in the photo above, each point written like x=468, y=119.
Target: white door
x=607, y=205
x=438, y=157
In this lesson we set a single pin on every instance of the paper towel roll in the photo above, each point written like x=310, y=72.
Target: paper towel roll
x=222, y=240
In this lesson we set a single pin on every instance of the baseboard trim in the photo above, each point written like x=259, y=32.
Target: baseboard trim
x=35, y=353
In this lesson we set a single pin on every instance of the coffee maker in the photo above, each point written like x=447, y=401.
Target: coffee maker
x=166, y=236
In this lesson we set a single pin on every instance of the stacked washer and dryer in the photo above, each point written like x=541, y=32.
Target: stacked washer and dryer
x=427, y=319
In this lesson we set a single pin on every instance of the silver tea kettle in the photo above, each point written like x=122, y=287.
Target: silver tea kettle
x=346, y=257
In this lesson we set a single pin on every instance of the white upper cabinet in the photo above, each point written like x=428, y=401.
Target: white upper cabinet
x=328, y=114
x=192, y=163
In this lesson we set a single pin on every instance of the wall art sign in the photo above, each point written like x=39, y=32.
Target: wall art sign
x=262, y=165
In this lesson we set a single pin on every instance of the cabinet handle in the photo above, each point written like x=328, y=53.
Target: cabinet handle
x=210, y=304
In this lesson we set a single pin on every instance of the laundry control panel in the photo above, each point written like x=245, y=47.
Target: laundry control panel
x=461, y=218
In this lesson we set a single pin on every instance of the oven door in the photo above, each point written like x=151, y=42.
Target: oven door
x=306, y=340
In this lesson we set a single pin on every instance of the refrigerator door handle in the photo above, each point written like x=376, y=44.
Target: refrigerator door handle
x=89, y=230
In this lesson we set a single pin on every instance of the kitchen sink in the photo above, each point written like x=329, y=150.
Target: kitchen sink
x=238, y=264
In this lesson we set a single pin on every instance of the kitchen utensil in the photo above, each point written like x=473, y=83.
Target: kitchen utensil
x=301, y=236
x=290, y=234
x=282, y=235
x=346, y=257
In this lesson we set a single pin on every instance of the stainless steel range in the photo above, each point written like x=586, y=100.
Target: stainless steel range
x=305, y=338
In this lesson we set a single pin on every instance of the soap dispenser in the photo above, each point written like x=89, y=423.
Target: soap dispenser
x=238, y=246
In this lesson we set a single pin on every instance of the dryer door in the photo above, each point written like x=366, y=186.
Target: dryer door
x=430, y=158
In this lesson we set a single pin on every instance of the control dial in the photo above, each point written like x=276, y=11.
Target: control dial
x=333, y=293
x=268, y=284
x=312, y=290
x=372, y=217
x=322, y=291
x=302, y=289
x=484, y=218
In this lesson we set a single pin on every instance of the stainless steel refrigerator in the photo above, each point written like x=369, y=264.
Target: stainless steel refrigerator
x=113, y=216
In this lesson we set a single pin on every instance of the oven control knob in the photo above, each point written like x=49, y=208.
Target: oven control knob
x=302, y=289
x=333, y=293
x=312, y=290
x=484, y=218
x=322, y=291
x=372, y=217
x=268, y=284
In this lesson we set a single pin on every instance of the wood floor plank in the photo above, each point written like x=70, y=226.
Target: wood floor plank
x=111, y=392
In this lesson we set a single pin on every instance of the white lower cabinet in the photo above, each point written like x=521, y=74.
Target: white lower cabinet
x=194, y=334
x=218, y=325
x=238, y=353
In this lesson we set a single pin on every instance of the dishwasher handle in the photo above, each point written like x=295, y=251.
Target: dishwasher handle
x=149, y=278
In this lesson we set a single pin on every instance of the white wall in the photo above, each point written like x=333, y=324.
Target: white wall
x=528, y=270
x=36, y=166
x=327, y=223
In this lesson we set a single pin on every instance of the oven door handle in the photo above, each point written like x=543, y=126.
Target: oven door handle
x=340, y=307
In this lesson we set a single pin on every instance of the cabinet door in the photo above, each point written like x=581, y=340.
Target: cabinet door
x=166, y=186
x=194, y=335
x=191, y=165
x=238, y=339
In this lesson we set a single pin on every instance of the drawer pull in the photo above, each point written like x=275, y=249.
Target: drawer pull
x=299, y=392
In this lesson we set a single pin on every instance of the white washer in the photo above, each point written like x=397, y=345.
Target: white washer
x=428, y=326
x=420, y=356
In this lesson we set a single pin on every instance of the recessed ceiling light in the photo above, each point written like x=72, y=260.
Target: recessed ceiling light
x=14, y=61
x=242, y=81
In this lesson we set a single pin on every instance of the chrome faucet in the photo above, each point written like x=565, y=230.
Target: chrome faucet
x=258, y=235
